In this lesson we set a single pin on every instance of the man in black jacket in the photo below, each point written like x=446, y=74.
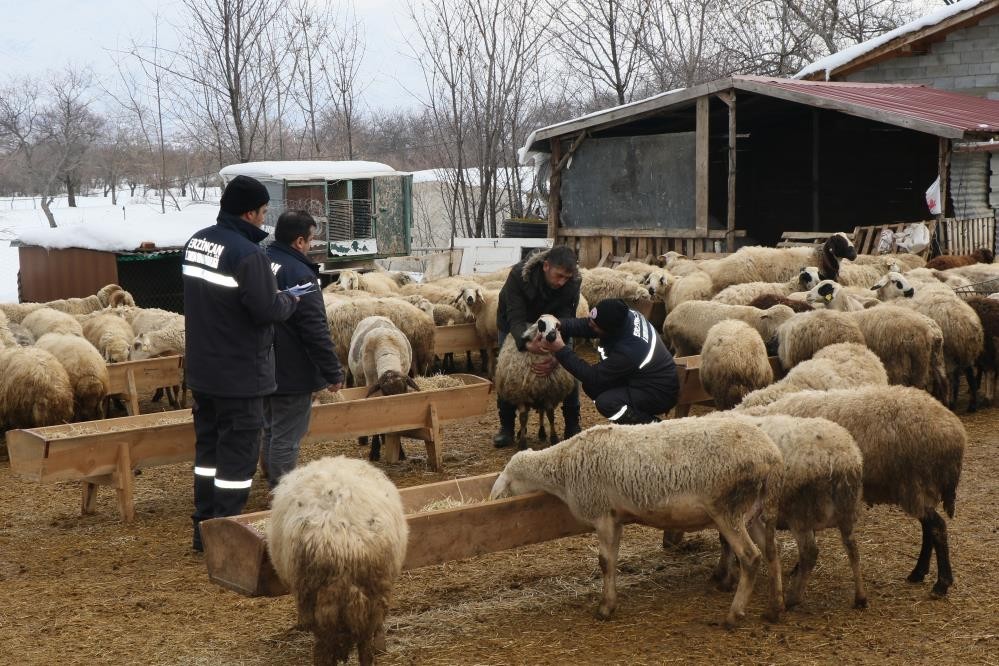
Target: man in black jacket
x=305, y=359
x=636, y=378
x=231, y=302
x=544, y=283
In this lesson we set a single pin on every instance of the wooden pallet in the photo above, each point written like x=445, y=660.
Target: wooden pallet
x=804, y=238
x=865, y=239
x=131, y=378
x=107, y=452
x=237, y=559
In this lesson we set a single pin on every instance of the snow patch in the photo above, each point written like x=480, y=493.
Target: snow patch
x=308, y=170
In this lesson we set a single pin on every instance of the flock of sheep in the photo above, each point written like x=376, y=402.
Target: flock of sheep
x=801, y=453
x=54, y=356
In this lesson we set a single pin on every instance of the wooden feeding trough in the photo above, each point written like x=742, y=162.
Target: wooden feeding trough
x=106, y=452
x=131, y=378
x=236, y=548
x=456, y=339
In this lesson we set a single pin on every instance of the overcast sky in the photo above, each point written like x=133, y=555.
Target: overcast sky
x=40, y=35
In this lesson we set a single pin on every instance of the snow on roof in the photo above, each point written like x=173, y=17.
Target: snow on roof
x=522, y=152
x=836, y=60
x=307, y=170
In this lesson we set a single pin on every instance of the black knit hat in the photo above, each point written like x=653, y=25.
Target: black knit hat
x=610, y=314
x=243, y=194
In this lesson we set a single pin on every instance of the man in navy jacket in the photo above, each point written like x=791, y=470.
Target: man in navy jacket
x=306, y=361
x=636, y=377
x=231, y=302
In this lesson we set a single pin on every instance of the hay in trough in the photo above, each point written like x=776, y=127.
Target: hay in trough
x=448, y=503
x=326, y=398
x=99, y=427
x=438, y=382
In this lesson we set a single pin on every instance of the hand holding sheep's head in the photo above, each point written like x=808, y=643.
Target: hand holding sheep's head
x=392, y=382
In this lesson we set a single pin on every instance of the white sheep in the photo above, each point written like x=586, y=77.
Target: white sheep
x=733, y=363
x=88, y=373
x=745, y=293
x=598, y=284
x=799, y=338
x=695, y=285
x=166, y=341
x=22, y=335
x=687, y=325
x=686, y=474
x=840, y=365
x=375, y=282
x=34, y=389
x=833, y=296
x=864, y=275
x=903, y=260
x=913, y=447
x=47, y=320
x=823, y=484
x=482, y=305
x=517, y=385
x=337, y=536
x=7, y=337
x=111, y=335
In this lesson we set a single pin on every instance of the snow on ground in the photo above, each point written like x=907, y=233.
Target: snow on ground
x=95, y=224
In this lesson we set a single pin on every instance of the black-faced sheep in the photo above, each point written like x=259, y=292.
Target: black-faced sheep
x=766, y=264
x=519, y=386
x=687, y=325
x=685, y=474
x=838, y=366
x=913, y=447
x=733, y=363
x=746, y=293
x=823, y=483
x=34, y=389
x=337, y=536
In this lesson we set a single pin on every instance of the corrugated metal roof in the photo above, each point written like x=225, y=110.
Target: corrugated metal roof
x=941, y=113
x=966, y=113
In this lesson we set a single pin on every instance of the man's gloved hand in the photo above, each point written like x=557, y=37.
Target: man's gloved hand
x=333, y=388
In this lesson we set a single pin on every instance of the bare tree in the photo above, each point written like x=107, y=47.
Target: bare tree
x=604, y=39
x=342, y=66
x=50, y=130
x=682, y=44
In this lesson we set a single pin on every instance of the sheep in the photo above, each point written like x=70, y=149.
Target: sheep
x=337, y=536
x=16, y=312
x=111, y=335
x=438, y=291
x=822, y=488
x=913, y=448
x=600, y=283
x=803, y=335
x=933, y=277
x=637, y=269
x=679, y=264
x=380, y=357
x=496, y=276
x=88, y=373
x=987, y=363
x=482, y=305
x=694, y=286
x=166, y=341
x=22, y=335
x=840, y=365
x=110, y=295
x=974, y=273
x=767, y=264
x=863, y=275
x=685, y=474
x=377, y=283
x=980, y=256
x=7, y=336
x=145, y=320
x=517, y=385
x=416, y=324
x=745, y=293
x=733, y=362
x=46, y=320
x=767, y=301
x=833, y=296
x=903, y=260
x=895, y=285
x=34, y=389
x=687, y=325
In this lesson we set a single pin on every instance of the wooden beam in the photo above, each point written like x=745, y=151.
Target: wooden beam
x=943, y=170
x=702, y=134
x=455, y=339
x=554, y=189
x=729, y=98
x=595, y=232
x=983, y=147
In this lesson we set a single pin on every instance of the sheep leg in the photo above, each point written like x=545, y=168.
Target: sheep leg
x=945, y=576
x=468, y=361
x=972, y=389
x=853, y=553
x=542, y=434
x=765, y=533
x=724, y=572
x=734, y=531
x=376, y=448
x=955, y=386
x=925, y=550
x=523, y=413
x=608, y=542
x=808, y=554
x=158, y=394
x=554, y=438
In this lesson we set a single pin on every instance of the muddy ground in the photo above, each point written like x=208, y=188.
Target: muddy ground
x=90, y=590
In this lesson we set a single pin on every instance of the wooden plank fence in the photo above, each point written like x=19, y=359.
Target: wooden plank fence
x=593, y=244
x=966, y=236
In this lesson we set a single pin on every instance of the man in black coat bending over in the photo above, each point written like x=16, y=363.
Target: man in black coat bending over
x=544, y=283
x=231, y=303
x=636, y=378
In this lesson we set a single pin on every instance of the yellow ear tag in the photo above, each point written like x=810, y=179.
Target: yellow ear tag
x=828, y=297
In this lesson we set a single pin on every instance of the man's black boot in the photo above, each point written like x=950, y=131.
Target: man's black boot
x=507, y=415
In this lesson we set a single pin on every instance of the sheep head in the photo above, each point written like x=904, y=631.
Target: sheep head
x=469, y=298
x=893, y=285
x=349, y=280
x=657, y=283
x=114, y=349
x=808, y=277
x=392, y=382
x=841, y=247
x=823, y=293
x=547, y=326
x=671, y=258
x=770, y=320
x=984, y=255
x=506, y=485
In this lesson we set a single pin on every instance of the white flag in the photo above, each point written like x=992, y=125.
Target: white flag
x=933, y=197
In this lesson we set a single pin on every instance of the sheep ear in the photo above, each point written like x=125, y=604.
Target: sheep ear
x=372, y=390
x=412, y=384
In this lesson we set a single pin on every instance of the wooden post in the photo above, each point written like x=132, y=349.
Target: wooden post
x=729, y=98
x=434, y=439
x=133, y=393
x=391, y=446
x=554, y=190
x=124, y=483
x=702, y=136
x=943, y=169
